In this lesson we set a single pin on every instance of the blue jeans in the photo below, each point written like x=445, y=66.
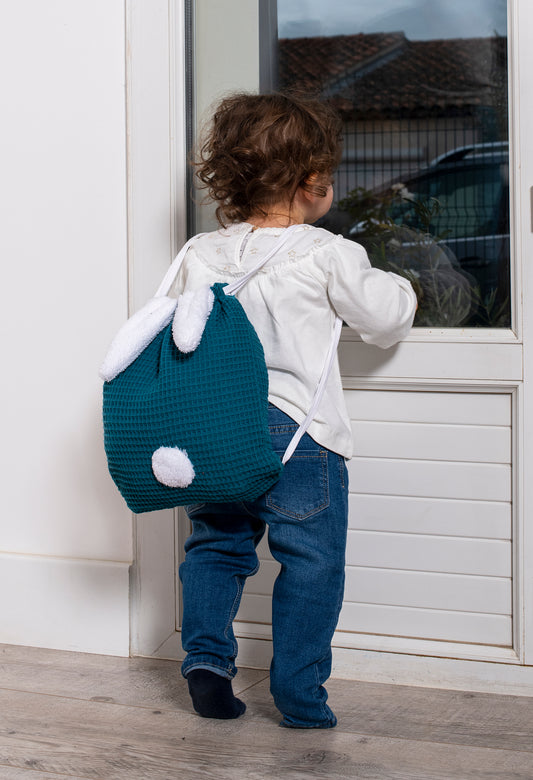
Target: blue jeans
x=306, y=513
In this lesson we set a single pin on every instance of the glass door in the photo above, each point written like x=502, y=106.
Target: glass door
x=427, y=184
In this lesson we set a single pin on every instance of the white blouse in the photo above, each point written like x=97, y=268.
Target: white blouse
x=292, y=302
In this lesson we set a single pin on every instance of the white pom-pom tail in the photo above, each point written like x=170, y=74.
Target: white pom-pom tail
x=172, y=467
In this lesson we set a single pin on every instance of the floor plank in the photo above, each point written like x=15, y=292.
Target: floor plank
x=12, y=773
x=144, y=682
x=88, y=739
x=432, y=715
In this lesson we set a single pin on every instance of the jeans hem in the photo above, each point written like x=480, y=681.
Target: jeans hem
x=223, y=671
x=324, y=724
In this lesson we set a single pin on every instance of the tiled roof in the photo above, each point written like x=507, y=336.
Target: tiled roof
x=385, y=75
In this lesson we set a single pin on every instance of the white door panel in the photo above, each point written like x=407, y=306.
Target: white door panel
x=444, y=517
x=256, y=608
x=489, y=557
x=423, y=360
x=489, y=444
x=430, y=590
x=430, y=407
x=262, y=582
x=467, y=627
x=487, y=481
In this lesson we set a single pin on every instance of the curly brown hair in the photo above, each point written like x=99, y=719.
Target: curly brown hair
x=261, y=148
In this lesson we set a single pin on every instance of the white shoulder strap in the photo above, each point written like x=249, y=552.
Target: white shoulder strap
x=173, y=269
x=319, y=392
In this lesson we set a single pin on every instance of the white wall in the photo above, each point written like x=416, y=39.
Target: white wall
x=65, y=534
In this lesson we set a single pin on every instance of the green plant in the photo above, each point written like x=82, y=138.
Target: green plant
x=397, y=229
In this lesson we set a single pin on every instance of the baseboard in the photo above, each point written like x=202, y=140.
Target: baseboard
x=393, y=667
x=64, y=604
x=427, y=672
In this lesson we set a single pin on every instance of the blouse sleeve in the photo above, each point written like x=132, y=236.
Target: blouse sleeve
x=380, y=306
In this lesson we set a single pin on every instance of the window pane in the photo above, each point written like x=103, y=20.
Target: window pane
x=424, y=180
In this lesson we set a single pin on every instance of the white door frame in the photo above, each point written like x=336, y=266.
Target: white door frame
x=155, y=72
x=521, y=70
x=157, y=227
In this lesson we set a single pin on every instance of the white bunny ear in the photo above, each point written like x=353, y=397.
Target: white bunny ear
x=135, y=335
x=191, y=315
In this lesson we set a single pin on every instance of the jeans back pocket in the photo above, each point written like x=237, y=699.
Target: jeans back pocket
x=303, y=488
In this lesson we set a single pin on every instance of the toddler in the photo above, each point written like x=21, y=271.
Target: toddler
x=268, y=162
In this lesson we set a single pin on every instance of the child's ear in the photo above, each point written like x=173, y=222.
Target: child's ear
x=316, y=184
x=305, y=200
x=306, y=193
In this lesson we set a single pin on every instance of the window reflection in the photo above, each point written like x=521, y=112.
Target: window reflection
x=424, y=181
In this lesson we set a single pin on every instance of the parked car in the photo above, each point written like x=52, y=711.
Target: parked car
x=470, y=184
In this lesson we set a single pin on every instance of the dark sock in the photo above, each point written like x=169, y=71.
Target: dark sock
x=212, y=695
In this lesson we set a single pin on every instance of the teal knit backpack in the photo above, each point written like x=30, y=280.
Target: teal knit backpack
x=185, y=400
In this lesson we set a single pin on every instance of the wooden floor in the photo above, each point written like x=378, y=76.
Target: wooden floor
x=88, y=716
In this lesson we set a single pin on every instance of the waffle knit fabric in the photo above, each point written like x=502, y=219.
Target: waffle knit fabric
x=212, y=403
